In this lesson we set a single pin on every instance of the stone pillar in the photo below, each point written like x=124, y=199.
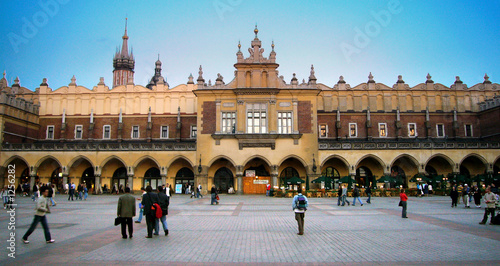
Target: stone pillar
x=130, y=182
x=3, y=176
x=240, y=117
x=163, y=179
x=272, y=119
x=239, y=176
x=32, y=181
x=295, y=129
x=218, y=128
x=274, y=180
x=97, y=184
x=65, y=179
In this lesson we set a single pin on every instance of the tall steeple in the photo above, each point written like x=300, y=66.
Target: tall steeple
x=123, y=63
x=157, y=78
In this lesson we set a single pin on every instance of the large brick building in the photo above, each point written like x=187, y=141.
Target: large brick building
x=257, y=128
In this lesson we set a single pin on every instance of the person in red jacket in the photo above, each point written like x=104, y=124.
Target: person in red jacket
x=404, y=199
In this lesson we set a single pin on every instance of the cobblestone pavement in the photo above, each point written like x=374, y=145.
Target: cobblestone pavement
x=254, y=229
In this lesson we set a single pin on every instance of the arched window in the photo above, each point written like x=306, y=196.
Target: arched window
x=331, y=173
x=152, y=178
x=223, y=179
x=289, y=172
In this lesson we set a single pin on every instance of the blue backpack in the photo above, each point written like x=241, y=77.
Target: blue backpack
x=301, y=202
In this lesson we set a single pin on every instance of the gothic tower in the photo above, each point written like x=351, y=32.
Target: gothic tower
x=123, y=63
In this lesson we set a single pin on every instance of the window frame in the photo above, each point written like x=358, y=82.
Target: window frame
x=138, y=132
x=288, y=121
x=471, y=130
x=437, y=130
x=161, y=132
x=355, y=129
x=228, y=129
x=47, y=132
x=415, y=130
x=262, y=118
x=76, y=131
x=104, y=132
x=379, y=130
x=194, y=128
x=326, y=130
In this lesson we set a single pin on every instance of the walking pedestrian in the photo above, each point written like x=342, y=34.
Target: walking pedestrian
x=268, y=189
x=213, y=191
x=477, y=196
x=141, y=208
x=50, y=195
x=489, y=199
x=42, y=208
x=355, y=194
x=198, y=191
x=86, y=192
x=163, y=201
x=344, y=196
x=339, y=194
x=403, y=198
x=465, y=196
x=36, y=193
x=148, y=200
x=299, y=206
x=369, y=194
x=5, y=196
x=454, y=196
x=126, y=210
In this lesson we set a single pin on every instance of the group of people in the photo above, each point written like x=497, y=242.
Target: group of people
x=424, y=189
x=81, y=192
x=342, y=196
x=152, y=203
x=467, y=194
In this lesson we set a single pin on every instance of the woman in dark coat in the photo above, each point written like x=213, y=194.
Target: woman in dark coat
x=477, y=196
x=454, y=196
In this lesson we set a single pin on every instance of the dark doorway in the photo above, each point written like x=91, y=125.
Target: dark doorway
x=223, y=179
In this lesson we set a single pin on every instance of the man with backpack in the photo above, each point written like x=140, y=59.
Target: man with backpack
x=299, y=206
x=163, y=201
x=148, y=201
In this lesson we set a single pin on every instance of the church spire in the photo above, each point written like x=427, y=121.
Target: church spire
x=124, y=52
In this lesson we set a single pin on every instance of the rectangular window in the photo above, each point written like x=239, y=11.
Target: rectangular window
x=468, y=130
x=228, y=122
x=353, y=130
x=382, y=130
x=50, y=132
x=78, y=131
x=135, y=132
x=106, y=132
x=323, y=130
x=164, y=132
x=257, y=118
x=412, y=130
x=284, y=122
x=440, y=130
x=194, y=132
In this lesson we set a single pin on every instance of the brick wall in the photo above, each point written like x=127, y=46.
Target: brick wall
x=489, y=121
x=305, y=112
x=208, y=117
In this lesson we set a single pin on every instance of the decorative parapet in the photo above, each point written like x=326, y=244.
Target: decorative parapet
x=405, y=144
x=19, y=103
x=490, y=103
x=102, y=146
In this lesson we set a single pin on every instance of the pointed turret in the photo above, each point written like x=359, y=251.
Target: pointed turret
x=123, y=63
x=157, y=78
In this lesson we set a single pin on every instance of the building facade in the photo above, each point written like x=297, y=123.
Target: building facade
x=255, y=129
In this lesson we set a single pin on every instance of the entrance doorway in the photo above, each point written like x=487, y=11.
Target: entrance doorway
x=184, y=177
x=56, y=179
x=152, y=178
x=223, y=179
x=88, y=178
x=119, y=180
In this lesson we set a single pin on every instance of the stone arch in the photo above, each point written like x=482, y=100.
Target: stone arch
x=481, y=158
x=216, y=158
x=257, y=156
x=468, y=164
x=75, y=159
x=145, y=157
x=12, y=158
x=445, y=157
x=105, y=161
x=376, y=158
x=41, y=160
x=412, y=159
x=292, y=156
x=173, y=160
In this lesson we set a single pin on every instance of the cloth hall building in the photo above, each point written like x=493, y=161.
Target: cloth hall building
x=255, y=129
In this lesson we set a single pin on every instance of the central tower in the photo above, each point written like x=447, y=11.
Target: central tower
x=123, y=63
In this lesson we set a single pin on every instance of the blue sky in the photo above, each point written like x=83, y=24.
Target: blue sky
x=56, y=39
